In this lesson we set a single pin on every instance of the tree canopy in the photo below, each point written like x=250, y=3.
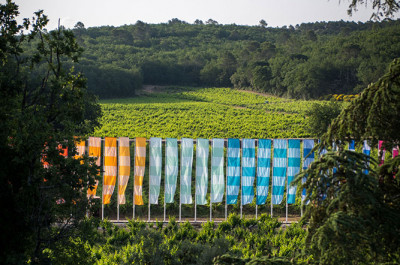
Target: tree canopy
x=43, y=105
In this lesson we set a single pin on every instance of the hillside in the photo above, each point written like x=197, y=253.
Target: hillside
x=204, y=113
x=304, y=61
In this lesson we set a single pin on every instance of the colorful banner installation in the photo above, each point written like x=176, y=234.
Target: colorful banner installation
x=308, y=158
x=294, y=161
x=110, y=168
x=94, y=151
x=263, y=169
x=140, y=162
x=248, y=170
x=217, y=171
x=171, y=169
x=202, y=151
x=155, y=168
x=233, y=171
x=124, y=167
x=186, y=171
x=279, y=170
x=367, y=151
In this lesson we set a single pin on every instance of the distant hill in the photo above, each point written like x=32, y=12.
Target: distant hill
x=305, y=61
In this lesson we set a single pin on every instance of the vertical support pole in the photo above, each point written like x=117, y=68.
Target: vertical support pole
x=165, y=176
x=256, y=211
x=301, y=208
x=256, y=178
x=210, y=210
x=241, y=187
x=286, y=178
x=102, y=189
x=195, y=208
x=149, y=199
x=134, y=173
x=272, y=182
x=180, y=209
x=226, y=183
x=118, y=180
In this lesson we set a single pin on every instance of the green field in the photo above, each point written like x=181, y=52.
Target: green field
x=204, y=113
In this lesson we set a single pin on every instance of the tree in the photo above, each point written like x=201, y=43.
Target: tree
x=263, y=23
x=320, y=116
x=354, y=214
x=79, y=25
x=383, y=8
x=43, y=106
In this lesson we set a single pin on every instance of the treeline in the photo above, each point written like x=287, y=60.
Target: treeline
x=305, y=61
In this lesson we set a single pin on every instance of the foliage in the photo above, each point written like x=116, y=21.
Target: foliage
x=320, y=117
x=41, y=111
x=302, y=61
x=207, y=113
x=382, y=8
x=235, y=239
x=354, y=213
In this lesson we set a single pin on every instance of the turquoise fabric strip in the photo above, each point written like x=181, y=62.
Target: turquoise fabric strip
x=217, y=171
x=294, y=162
x=202, y=150
x=186, y=170
x=155, y=169
x=171, y=168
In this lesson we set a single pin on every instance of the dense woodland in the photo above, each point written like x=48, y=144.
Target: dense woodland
x=302, y=61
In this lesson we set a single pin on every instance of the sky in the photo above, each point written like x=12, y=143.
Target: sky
x=276, y=13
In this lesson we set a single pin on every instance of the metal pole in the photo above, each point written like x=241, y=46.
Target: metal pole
x=149, y=197
x=102, y=189
x=256, y=210
x=241, y=187
x=210, y=210
x=165, y=176
x=272, y=182
x=226, y=186
x=287, y=181
x=195, y=208
x=118, y=181
x=134, y=177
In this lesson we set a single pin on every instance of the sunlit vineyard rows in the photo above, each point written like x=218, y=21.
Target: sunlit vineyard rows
x=206, y=113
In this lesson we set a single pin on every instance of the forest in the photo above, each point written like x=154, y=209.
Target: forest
x=302, y=61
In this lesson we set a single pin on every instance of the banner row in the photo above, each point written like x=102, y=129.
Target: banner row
x=245, y=173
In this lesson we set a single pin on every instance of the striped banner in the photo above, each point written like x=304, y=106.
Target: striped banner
x=294, y=161
x=352, y=145
x=367, y=151
x=263, y=170
x=308, y=158
x=186, y=171
x=110, y=168
x=140, y=163
x=395, y=151
x=233, y=171
x=124, y=168
x=155, y=169
x=202, y=150
x=217, y=171
x=381, y=153
x=279, y=170
x=94, y=151
x=171, y=169
x=248, y=170
x=80, y=149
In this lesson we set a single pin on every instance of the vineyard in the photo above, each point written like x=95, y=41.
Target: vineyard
x=205, y=113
